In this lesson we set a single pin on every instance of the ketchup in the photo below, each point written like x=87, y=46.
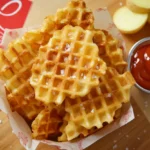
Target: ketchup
x=140, y=66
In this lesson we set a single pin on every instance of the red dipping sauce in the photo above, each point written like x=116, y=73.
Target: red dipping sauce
x=140, y=66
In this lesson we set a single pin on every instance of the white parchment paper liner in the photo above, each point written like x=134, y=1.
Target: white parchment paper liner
x=20, y=127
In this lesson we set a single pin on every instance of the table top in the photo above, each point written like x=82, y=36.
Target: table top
x=133, y=136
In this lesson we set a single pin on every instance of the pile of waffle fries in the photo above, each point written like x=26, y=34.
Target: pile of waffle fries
x=66, y=79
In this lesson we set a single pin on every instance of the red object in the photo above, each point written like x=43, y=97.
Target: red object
x=13, y=14
x=140, y=66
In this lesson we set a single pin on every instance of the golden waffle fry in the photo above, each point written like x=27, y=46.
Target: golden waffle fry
x=36, y=38
x=68, y=66
x=63, y=136
x=15, y=66
x=49, y=26
x=47, y=123
x=75, y=14
x=70, y=130
x=27, y=109
x=100, y=105
x=15, y=70
x=109, y=50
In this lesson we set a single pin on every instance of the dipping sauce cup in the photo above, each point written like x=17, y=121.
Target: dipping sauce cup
x=139, y=64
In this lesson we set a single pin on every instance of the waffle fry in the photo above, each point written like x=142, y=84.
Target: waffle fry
x=36, y=38
x=75, y=14
x=70, y=130
x=27, y=109
x=47, y=123
x=109, y=50
x=100, y=105
x=15, y=66
x=68, y=66
x=15, y=70
x=49, y=26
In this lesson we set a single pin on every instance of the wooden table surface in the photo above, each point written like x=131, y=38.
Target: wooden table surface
x=133, y=136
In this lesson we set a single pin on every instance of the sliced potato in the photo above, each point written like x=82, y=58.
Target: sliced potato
x=139, y=6
x=129, y=22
